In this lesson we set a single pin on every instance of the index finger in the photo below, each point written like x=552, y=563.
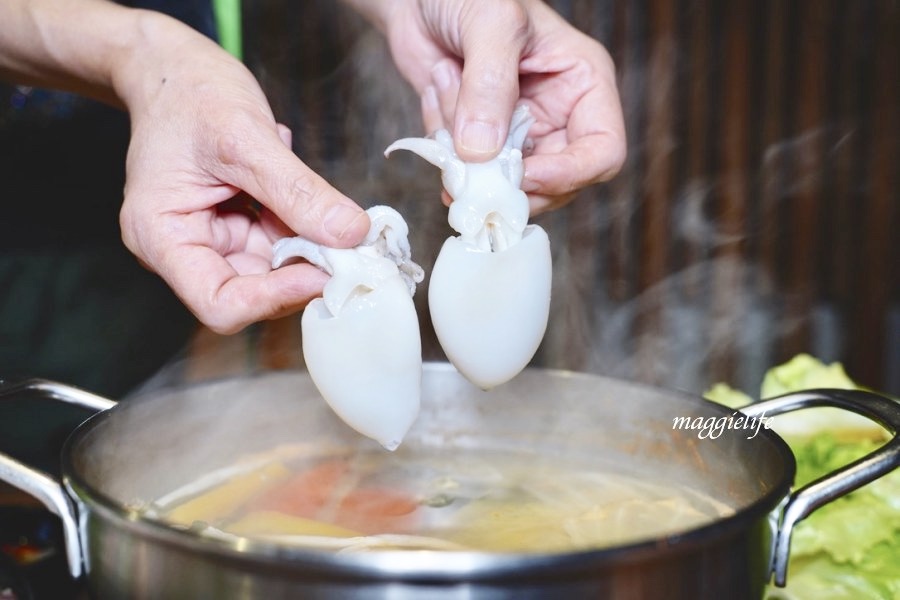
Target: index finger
x=227, y=302
x=258, y=162
x=590, y=149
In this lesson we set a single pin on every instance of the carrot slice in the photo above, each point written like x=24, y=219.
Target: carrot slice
x=319, y=494
x=305, y=494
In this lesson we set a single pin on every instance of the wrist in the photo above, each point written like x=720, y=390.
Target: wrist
x=159, y=50
x=67, y=45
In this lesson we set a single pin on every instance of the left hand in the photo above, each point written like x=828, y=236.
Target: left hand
x=204, y=146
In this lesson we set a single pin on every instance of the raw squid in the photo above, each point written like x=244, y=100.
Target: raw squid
x=489, y=293
x=361, y=339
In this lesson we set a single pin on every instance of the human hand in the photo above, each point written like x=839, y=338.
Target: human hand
x=205, y=144
x=473, y=61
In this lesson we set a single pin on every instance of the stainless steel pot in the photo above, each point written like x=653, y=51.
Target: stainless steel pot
x=145, y=447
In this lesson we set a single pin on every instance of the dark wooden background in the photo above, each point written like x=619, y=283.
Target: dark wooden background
x=756, y=216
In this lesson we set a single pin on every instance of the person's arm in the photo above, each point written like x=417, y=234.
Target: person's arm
x=473, y=61
x=202, y=133
x=67, y=44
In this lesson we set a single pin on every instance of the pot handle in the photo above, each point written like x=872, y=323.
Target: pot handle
x=45, y=487
x=880, y=462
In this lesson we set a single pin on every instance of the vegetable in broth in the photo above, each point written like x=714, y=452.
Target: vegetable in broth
x=485, y=501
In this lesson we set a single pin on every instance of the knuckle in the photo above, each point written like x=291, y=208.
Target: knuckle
x=232, y=144
x=237, y=135
x=305, y=198
x=222, y=312
x=222, y=326
x=513, y=15
x=515, y=29
x=229, y=148
x=616, y=156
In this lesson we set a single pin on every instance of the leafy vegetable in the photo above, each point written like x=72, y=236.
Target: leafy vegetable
x=849, y=548
x=730, y=397
x=804, y=372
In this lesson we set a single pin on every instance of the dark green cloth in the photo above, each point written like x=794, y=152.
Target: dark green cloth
x=75, y=305
x=87, y=317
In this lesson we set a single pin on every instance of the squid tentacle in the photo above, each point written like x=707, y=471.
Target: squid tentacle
x=299, y=247
x=389, y=234
x=387, y=238
x=440, y=153
x=493, y=209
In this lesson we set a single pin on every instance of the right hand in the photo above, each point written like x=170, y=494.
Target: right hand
x=473, y=61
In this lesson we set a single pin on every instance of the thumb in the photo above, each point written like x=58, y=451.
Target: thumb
x=490, y=78
x=264, y=167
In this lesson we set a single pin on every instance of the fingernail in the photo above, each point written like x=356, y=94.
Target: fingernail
x=480, y=137
x=529, y=185
x=340, y=218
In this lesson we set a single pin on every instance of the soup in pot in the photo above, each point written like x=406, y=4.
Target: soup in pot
x=484, y=500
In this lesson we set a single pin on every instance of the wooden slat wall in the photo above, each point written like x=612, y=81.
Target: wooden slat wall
x=753, y=220
x=880, y=256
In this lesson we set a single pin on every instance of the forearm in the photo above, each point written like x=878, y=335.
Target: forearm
x=65, y=44
x=92, y=47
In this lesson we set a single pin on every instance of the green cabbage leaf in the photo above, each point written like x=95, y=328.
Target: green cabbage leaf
x=849, y=548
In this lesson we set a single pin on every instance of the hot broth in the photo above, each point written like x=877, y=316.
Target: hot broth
x=462, y=500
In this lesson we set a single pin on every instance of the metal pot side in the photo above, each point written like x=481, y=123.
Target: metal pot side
x=619, y=423
x=145, y=447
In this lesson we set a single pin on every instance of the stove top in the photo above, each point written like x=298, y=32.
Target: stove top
x=32, y=551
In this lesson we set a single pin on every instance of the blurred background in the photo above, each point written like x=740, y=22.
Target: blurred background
x=755, y=218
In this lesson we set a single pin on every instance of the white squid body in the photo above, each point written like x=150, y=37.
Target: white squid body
x=361, y=340
x=489, y=293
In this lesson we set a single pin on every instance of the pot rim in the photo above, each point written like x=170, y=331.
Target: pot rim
x=428, y=564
